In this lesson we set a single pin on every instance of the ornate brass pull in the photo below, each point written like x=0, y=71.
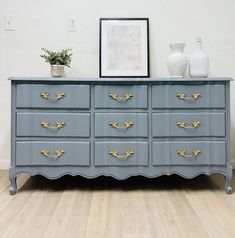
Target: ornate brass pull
x=194, y=124
x=58, y=125
x=183, y=96
x=58, y=153
x=127, y=154
x=195, y=153
x=126, y=125
x=125, y=97
x=58, y=96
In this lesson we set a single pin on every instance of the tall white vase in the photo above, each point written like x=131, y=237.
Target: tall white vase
x=177, y=61
x=198, y=61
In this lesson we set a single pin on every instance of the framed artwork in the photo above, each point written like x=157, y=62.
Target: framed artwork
x=124, y=47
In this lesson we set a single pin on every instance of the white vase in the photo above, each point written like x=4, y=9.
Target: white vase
x=198, y=61
x=177, y=61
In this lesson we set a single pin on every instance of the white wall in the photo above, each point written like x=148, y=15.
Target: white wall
x=44, y=23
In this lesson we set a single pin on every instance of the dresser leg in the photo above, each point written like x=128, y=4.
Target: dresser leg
x=13, y=186
x=228, y=178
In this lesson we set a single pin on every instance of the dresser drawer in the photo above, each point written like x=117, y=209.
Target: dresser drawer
x=188, y=96
x=121, y=96
x=189, y=153
x=121, y=153
x=52, y=96
x=52, y=153
x=53, y=124
x=188, y=124
x=121, y=124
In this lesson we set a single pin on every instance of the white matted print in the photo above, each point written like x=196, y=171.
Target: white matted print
x=124, y=47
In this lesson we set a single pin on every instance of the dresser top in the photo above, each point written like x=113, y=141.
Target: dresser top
x=106, y=80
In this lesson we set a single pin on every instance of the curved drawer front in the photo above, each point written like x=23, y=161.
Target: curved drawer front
x=53, y=96
x=121, y=125
x=52, y=153
x=189, y=153
x=121, y=153
x=53, y=124
x=188, y=96
x=188, y=124
x=121, y=96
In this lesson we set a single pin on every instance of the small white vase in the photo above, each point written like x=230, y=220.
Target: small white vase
x=57, y=70
x=177, y=61
x=198, y=61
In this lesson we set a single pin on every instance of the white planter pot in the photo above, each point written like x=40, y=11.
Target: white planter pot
x=57, y=70
x=198, y=61
x=177, y=61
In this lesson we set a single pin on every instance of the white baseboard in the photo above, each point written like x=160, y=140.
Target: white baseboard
x=4, y=164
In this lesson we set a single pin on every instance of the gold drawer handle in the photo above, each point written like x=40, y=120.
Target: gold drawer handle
x=125, y=97
x=183, y=96
x=58, y=96
x=194, y=154
x=127, y=154
x=126, y=125
x=194, y=124
x=58, y=125
x=58, y=153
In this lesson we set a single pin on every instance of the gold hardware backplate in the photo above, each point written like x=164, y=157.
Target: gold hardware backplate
x=125, y=97
x=183, y=96
x=126, y=125
x=195, y=153
x=58, y=153
x=58, y=96
x=194, y=124
x=127, y=154
x=58, y=125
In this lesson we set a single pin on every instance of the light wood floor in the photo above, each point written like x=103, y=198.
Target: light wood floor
x=138, y=207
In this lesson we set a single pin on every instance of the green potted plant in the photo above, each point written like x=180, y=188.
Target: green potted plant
x=57, y=60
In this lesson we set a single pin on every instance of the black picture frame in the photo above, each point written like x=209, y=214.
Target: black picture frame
x=141, y=63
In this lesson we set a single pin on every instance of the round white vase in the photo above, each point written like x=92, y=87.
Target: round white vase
x=177, y=61
x=198, y=61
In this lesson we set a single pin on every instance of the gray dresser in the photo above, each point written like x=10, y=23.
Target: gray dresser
x=120, y=127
